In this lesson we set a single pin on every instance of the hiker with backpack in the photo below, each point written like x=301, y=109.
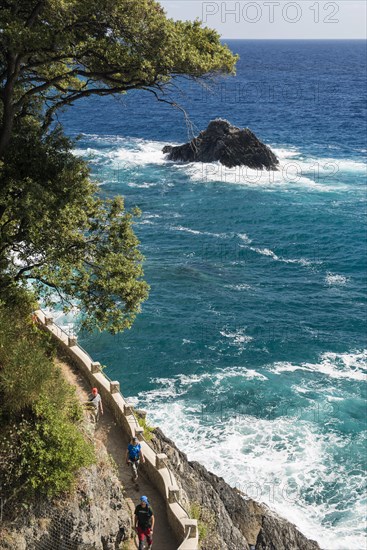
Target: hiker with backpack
x=133, y=456
x=144, y=522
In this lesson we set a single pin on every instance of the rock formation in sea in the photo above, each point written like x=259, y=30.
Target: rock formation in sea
x=227, y=144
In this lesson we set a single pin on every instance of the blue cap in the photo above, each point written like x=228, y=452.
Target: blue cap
x=144, y=499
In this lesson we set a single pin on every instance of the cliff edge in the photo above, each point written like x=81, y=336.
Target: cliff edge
x=96, y=516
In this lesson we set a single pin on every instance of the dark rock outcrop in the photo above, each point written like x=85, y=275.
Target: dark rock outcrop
x=240, y=523
x=96, y=516
x=227, y=144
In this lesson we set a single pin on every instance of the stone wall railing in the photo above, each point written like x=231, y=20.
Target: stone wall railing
x=155, y=465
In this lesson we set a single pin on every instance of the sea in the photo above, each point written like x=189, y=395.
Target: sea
x=251, y=350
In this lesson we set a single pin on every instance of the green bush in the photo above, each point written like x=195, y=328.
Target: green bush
x=148, y=430
x=25, y=353
x=42, y=456
x=41, y=444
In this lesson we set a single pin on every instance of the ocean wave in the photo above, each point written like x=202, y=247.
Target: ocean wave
x=181, y=384
x=280, y=462
x=123, y=153
x=242, y=175
x=143, y=153
x=240, y=287
x=295, y=170
x=333, y=279
x=350, y=366
x=238, y=337
x=144, y=185
x=197, y=232
x=271, y=254
x=245, y=238
x=332, y=166
x=283, y=153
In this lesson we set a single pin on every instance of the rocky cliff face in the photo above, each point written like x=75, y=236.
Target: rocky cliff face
x=96, y=516
x=227, y=144
x=239, y=523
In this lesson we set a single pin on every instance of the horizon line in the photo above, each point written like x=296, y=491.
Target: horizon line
x=295, y=39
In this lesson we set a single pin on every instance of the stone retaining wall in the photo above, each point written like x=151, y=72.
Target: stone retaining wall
x=155, y=466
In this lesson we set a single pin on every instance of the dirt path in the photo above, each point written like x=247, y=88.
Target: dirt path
x=116, y=442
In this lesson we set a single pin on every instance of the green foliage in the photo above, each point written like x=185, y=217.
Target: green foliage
x=55, y=229
x=206, y=521
x=41, y=445
x=65, y=238
x=44, y=454
x=148, y=430
x=24, y=367
x=77, y=48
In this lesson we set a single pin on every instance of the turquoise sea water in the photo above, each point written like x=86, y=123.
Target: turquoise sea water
x=251, y=351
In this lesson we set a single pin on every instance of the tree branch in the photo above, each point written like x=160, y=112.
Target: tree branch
x=35, y=13
x=25, y=269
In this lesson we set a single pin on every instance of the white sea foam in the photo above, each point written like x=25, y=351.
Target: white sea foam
x=333, y=279
x=286, y=153
x=124, y=153
x=144, y=152
x=68, y=322
x=333, y=166
x=287, y=176
x=300, y=389
x=238, y=337
x=239, y=287
x=237, y=372
x=271, y=254
x=295, y=170
x=245, y=238
x=197, y=232
x=181, y=384
x=351, y=366
x=144, y=185
x=284, y=462
x=266, y=252
x=148, y=216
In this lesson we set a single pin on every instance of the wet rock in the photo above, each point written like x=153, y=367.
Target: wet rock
x=227, y=144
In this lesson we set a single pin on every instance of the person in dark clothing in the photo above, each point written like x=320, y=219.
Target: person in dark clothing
x=144, y=522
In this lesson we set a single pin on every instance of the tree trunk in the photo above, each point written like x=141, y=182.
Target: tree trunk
x=5, y=132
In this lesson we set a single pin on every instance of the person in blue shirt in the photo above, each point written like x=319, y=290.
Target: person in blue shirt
x=133, y=456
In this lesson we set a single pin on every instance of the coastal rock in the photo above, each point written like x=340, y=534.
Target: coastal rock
x=240, y=523
x=227, y=144
x=96, y=516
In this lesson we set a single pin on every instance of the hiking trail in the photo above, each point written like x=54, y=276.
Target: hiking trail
x=116, y=441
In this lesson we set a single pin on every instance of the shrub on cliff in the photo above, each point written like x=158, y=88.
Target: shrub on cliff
x=41, y=445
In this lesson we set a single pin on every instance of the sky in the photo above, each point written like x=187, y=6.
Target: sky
x=276, y=19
